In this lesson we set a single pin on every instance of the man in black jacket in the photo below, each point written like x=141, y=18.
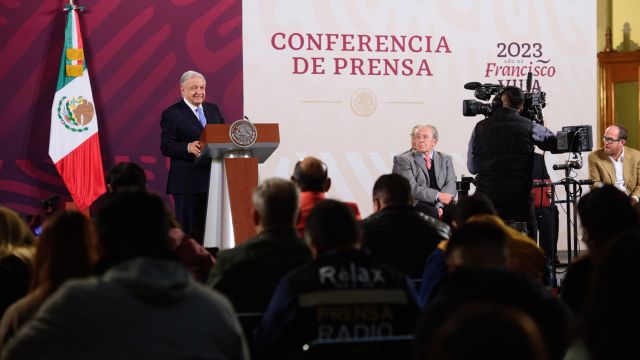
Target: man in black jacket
x=343, y=294
x=249, y=273
x=397, y=233
x=500, y=154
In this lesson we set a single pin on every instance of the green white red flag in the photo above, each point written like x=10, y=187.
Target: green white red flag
x=74, y=145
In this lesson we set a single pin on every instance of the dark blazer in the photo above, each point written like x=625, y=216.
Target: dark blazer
x=248, y=273
x=403, y=237
x=180, y=126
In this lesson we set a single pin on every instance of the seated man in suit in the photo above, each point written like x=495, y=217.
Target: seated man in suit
x=430, y=172
x=312, y=177
x=616, y=164
x=248, y=273
x=344, y=293
x=396, y=232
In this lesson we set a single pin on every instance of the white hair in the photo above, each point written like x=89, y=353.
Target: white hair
x=190, y=75
x=417, y=128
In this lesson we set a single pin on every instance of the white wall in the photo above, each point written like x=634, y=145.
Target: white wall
x=356, y=123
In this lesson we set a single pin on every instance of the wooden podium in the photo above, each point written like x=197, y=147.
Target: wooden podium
x=234, y=176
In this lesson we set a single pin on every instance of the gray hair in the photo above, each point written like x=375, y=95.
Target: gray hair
x=417, y=128
x=190, y=75
x=277, y=202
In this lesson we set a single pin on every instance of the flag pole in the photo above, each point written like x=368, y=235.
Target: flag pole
x=72, y=6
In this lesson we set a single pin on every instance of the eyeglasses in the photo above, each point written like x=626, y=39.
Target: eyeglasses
x=421, y=137
x=609, y=140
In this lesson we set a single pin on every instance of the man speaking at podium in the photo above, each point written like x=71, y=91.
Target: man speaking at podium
x=182, y=123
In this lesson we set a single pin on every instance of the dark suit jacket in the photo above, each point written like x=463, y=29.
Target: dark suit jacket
x=180, y=126
x=248, y=273
x=403, y=237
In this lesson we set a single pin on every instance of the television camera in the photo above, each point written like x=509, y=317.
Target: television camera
x=572, y=139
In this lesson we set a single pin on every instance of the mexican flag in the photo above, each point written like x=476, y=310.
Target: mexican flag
x=74, y=145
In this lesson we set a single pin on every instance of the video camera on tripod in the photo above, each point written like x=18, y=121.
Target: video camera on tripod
x=571, y=139
x=533, y=104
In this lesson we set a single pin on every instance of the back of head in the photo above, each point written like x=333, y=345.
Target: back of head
x=392, y=189
x=612, y=305
x=488, y=331
x=126, y=176
x=512, y=97
x=469, y=206
x=14, y=232
x=311, y=174
x=331, y=225
x=478, y=245
x=133, y=224
x=276, y=201
x=66, y=249
x=605, y=212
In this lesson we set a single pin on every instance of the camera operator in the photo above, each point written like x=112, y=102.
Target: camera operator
x=500, y=154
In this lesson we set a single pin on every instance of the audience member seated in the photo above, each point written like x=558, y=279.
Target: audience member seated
x=146, y=306
x=312, y=177
x=16, y=256
x=65, y=250
x=430, y=172
x=127, y=176
x=611, y=310
x=344, y=293
x=477, y=256
x=189, y=252
x=124, y=176
x=526, y=256
x=248, y=273
x=604, y=212
x=396, y=232
x=488, y=331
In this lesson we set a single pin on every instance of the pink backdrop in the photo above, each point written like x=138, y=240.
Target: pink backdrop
x=136, y=52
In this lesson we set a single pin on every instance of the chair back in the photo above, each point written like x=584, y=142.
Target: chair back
x=249, y=321
x=396, y=347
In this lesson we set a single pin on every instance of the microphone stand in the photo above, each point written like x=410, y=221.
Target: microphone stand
x=567, y=182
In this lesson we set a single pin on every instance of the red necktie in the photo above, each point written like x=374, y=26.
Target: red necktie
x=427, y=159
